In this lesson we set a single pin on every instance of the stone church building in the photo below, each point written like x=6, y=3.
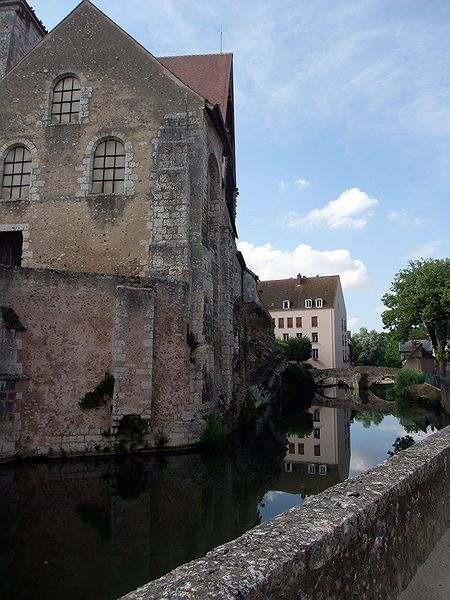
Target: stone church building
x=117, y=237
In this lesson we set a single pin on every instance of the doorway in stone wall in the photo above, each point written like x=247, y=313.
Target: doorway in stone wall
x=11, y=248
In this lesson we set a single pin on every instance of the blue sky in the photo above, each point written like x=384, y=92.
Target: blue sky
x=342, y=124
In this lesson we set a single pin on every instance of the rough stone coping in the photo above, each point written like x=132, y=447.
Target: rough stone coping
x=258, y=564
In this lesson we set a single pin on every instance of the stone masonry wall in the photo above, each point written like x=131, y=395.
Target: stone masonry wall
x=65, y=352
x=126, y=95
x=363, y=538
x=18, y=34
x=77, y=327
x=133, y=352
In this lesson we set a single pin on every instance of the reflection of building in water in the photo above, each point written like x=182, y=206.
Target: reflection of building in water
x=322, y=459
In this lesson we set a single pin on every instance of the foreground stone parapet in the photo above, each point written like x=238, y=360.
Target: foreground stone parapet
x=363, y=538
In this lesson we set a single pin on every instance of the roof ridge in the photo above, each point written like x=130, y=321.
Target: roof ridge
x=194, y=55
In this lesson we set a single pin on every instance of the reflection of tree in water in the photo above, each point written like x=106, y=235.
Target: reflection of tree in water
x=401, y=443
x=298, y=392
x=368, y=417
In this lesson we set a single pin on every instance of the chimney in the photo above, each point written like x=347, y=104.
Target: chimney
x=20, y=31
x=299, y=278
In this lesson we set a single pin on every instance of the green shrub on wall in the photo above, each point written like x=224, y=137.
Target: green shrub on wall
x=100, y=394
x=216, y=430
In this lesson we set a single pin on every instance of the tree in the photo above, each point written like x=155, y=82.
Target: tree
x=368, y=348
x=420, y=296
x=296, y=349
x=401, y=443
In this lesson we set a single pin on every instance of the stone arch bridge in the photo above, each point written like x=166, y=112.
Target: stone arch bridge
x=355, y=377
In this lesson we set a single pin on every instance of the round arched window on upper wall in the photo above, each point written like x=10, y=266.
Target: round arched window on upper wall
x=108, y=173
x=66, y=100
x=16, y=173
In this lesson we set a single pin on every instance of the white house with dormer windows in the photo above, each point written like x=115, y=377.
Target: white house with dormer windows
x=312, y=307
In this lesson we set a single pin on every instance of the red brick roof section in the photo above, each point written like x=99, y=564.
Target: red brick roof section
x=207, y=74
x=297, y=290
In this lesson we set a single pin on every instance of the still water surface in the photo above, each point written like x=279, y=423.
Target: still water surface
x=99, y=528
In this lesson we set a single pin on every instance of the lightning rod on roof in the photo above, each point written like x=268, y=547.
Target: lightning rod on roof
x=221, y=39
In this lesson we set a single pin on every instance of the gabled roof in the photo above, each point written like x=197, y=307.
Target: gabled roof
x=407, y=347
x=297, y=290
x=419, y=352
x=207, y=74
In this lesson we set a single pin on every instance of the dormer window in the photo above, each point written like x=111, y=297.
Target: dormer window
x=319, y=302
x=286, y=304
x=308, y=303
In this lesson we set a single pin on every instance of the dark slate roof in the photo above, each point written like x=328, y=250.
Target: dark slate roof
x=407, y=347
x=207, y=74
x=420, y=352
x=297, y=290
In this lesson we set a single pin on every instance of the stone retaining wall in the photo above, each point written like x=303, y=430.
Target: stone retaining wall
x=363, y=539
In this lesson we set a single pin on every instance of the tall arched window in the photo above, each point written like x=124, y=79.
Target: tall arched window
x=16, y=173
x=108, y=173
x=66, y=100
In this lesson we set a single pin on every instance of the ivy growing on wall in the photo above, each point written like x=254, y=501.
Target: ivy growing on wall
x=99, y=394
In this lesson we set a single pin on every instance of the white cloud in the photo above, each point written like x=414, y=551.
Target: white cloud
x=269, y=263
x=379, y=309
x=349, y=211
x=406, y=218
x=427, y=249
x=282, y=185
x=302, y=183
x=353, y=322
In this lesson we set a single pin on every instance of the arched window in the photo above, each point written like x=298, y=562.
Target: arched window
x=16, y=173
x=108, y=173
x=66, y=101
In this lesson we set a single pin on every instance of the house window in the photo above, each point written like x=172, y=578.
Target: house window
x=291, y=448
x=66, y=101
x=299, y=335
x=108, y=174
x=315, y=353
x=317, y=433
x=281, y=323
x=298, y=322
x=311, y=469
x=11, y=248
x=286, y=304
x=301, y=448
x=288, y=467
x=285, y=336
x=308, y=303
x=315, y=337
x=16, y=173
x=319, y=302
x=316, y=416
x=316, y=449
x=322, y=469
x=314, y=321
x=290, y=322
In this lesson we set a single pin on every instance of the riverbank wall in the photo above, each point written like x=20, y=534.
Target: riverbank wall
x=363, y=538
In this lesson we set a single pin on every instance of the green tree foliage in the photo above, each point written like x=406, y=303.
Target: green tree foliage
x=392, y=353
x=420, y=296
x=296, y=349
x=368, y=348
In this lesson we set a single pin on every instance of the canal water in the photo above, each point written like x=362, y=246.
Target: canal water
x=95, y=529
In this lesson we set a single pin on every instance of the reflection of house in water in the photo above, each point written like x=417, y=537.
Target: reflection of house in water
x=322, y=459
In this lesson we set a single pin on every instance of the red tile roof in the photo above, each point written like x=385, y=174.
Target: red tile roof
x=297, y=290
x=207, y=74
